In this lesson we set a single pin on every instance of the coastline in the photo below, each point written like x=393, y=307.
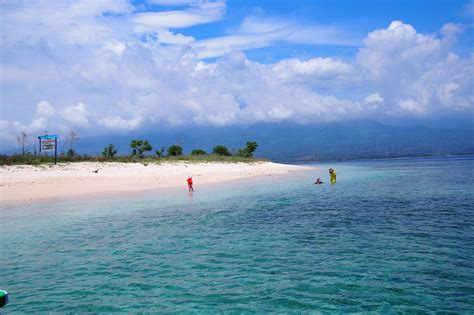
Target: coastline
x=22, y=184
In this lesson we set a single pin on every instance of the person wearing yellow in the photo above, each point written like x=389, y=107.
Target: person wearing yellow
x=332, y=175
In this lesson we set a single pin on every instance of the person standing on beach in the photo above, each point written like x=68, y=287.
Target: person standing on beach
x=190, y=183
x=332, y=175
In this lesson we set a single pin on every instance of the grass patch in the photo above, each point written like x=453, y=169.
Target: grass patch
x=30, y=159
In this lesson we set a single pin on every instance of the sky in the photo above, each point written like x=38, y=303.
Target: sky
x=111, y=67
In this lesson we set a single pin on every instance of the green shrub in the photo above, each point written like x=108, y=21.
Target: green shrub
x=221, y=150
x=198, y=152
x=248, y=150
x=109, y=151
x=139, y=147
x=175, y=150
x=160, y=153
x=71, y=153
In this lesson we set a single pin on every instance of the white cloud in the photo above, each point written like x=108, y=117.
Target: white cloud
x=373, y=98
x=44, y=109
x=199, y=13
x=76, y=115
x=116, y=47
x=171, y=2
x=167, y=37
x=119, y=123
x=219, y=46
x=120, y=80
x=321, y=67
x=45, y=119
x=256, y=32
x=411, y=70
x=170, y=19
x=71, y=22
x=411, y=105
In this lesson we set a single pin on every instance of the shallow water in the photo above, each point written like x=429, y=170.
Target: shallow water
x=394, y=235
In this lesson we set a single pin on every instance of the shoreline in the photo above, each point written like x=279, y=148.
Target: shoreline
x=26, y=184
x=304, y=162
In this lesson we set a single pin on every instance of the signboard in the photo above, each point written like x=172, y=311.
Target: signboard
x=48, y=144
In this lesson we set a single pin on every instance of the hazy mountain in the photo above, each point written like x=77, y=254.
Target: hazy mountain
x=290, y=141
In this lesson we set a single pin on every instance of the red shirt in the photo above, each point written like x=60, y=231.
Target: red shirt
x=190, y=181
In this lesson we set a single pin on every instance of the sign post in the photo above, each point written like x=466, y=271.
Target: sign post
x=49, y=143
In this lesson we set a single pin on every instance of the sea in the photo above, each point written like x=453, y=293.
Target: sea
x=390, y=236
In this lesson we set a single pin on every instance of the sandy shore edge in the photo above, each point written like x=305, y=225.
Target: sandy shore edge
x=29, y=184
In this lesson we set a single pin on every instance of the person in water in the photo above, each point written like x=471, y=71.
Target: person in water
x=190, y=183
x=318, y=181
x=332, y=175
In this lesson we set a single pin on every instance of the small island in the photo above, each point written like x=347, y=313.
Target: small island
x=30, y=177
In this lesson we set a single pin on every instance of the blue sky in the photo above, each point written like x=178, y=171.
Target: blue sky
x=117, y=66
x=355, y=17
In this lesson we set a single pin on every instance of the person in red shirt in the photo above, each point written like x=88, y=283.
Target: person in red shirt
x=190, y=183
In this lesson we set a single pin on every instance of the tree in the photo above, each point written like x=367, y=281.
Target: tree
x=139, y=147
x=71, y=138
x=109, y=151
x=175, y=150
x=221, y=150
x=248, y=150
x=70, y=153
x=198, y=152
x=251, y=147
x=160, y=152
x=23, y=141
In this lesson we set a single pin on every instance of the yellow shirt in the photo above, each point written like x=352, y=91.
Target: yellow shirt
x=333, y=177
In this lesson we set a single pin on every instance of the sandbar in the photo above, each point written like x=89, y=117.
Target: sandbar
x=26, y=183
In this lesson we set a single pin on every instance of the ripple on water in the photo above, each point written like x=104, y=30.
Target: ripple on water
x=367, y=244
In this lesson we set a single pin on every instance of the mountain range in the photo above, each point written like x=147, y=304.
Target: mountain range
x=355, y=139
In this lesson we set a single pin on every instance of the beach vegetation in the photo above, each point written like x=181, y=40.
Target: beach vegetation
x=220, y=154
x=23, y=142
x=161, y=152
x=139, y=147
x=198, y=152
x=221, y=150
x=71, y=138
x=248, y=150
x=71, y=153
x=110, y=151
x=41, y=159
x=175, y=150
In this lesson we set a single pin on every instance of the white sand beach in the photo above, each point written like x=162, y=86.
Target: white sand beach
x=25, y=183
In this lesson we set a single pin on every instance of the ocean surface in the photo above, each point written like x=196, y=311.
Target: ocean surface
x=389, y=236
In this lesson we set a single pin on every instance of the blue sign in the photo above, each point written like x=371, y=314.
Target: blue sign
x=49, y=143
x=48, y=137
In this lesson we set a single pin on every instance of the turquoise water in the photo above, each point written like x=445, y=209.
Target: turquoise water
x=390, y=236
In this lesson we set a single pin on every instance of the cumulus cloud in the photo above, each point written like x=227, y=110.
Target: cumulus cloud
x=411, y=70
x=90, y=69
x=43, y=109
x=320, y=71
x=40, y=123
x=120, y=123
x=76, y=115
x=373, y=101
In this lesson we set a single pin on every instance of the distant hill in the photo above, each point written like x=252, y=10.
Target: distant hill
x=354, y=139
x=290, y=141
